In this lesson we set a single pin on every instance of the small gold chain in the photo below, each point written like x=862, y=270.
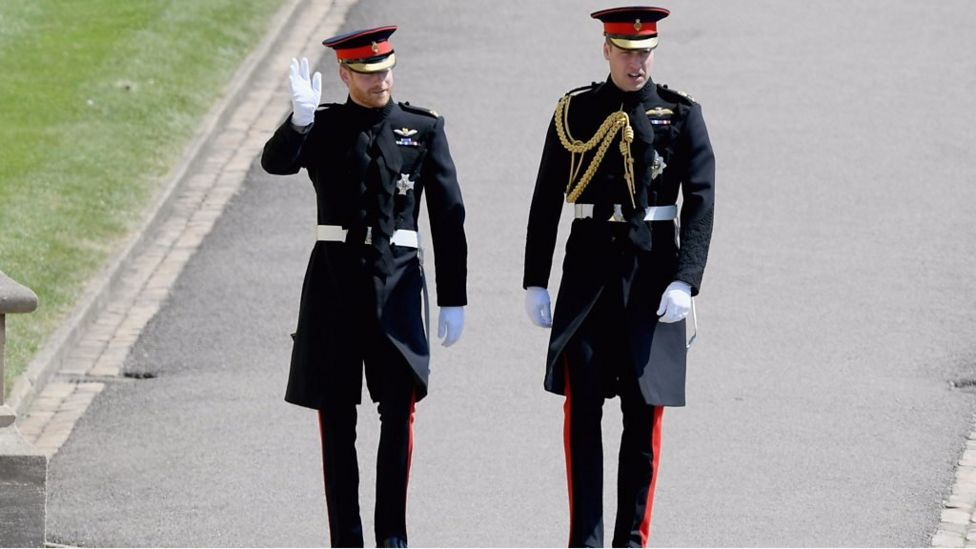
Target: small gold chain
x=617, y=121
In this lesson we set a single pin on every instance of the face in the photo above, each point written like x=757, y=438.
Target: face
x=629, y=69
x=368, y=89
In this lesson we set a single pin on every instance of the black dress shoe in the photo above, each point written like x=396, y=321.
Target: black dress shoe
x=394, y=541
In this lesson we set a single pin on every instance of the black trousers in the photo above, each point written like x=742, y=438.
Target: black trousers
x=598, y=366
x=391, y=383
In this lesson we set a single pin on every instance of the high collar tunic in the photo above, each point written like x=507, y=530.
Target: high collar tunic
x=672, y=157
x=370, y=168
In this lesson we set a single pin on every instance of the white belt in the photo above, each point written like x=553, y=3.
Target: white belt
x=651, y=213
x=335, y=233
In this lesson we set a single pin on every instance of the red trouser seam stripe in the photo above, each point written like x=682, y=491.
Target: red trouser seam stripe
x=567, y=421
x=413, y=408
x=645, y=527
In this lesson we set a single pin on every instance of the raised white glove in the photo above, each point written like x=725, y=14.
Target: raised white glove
x=675, y=303
x=537, y=305
x=305, y=92
x=450, y=324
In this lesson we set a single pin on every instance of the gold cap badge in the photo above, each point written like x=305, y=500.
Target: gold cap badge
x=375, y=48
x=637, y=25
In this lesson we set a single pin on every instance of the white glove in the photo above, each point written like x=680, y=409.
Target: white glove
x=305, y=92
x=675, y=303
x=537, y=306
x=450, y=324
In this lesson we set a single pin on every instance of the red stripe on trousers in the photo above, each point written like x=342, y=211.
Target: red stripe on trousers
x=566, y=443
x=645, y=526
x=413, y=409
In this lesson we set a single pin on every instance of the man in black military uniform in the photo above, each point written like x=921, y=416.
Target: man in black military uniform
x=620, y=151
x=370, y=160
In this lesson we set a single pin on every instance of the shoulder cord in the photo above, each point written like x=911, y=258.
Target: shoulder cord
x=617, y=121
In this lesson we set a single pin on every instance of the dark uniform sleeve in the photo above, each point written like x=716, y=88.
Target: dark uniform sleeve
x=698, y=201
x=547, y=203
x=445, y=210
x=282, y=153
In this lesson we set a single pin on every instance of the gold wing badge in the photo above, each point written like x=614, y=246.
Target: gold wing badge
x=406, y=137
x=659, y=116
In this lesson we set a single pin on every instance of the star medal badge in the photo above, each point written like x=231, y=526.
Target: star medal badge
x=404, y=184
x=657, y=168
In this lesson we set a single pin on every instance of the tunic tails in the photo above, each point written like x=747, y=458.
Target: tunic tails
x=636, y=257
x=340, y=293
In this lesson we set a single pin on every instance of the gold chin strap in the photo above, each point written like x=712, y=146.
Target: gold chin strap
x=617, y=121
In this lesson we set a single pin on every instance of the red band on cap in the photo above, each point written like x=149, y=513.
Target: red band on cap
x=631, y=29
x=365, y=52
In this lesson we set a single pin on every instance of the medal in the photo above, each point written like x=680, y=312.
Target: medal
x=404, y=184
x=657, y=168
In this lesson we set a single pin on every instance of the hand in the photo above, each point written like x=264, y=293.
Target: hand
x=537, y=306
x=450, y=324
x=675, y=303
x=306, y=93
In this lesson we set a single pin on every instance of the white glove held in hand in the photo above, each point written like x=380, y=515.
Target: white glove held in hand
x=537, y=306
x=450, y=324
x=306, y=93
x=675, y=303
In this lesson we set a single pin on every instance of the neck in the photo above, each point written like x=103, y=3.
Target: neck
x=623, y=89
x=369, y=114
x=353, y=100
x=640, y=94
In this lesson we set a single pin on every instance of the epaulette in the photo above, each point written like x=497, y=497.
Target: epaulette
x=675, y=96
x=588, y=87
x=405, y=105
x=326, y=106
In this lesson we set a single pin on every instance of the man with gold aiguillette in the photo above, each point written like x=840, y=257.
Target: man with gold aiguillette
x=371, y=160
x=620, y=152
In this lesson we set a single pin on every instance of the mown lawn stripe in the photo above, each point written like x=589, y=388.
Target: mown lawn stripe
x=97, y=101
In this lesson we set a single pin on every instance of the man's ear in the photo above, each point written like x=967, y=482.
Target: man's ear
x=344, y=74
x=606, y=50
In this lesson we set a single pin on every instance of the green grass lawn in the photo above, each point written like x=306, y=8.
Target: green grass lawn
x=98, y=98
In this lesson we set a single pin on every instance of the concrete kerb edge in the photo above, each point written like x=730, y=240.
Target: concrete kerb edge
x=52, y=354
x=957, y=523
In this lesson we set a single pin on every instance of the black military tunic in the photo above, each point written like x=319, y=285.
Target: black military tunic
x=635, y=259
x=342, y=291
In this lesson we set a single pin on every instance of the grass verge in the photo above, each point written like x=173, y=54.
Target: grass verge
x=97, y=101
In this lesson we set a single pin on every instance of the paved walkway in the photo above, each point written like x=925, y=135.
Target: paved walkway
x=213, y=179
x=820, y=406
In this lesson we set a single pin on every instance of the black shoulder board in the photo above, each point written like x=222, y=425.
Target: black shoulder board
x=587, y=87
x=405, y=105
x=326, y=106
x=674, y=96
